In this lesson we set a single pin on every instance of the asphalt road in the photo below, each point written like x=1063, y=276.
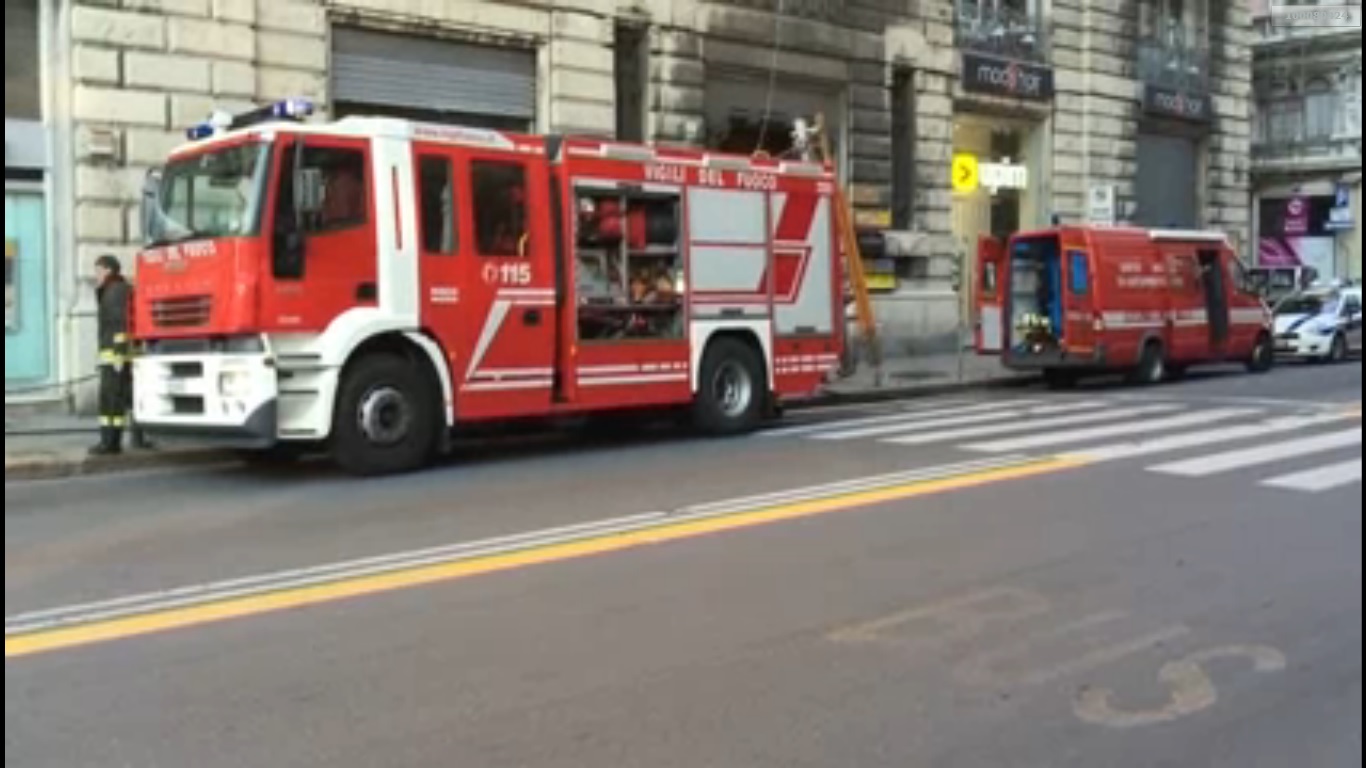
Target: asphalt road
x=1106, y=577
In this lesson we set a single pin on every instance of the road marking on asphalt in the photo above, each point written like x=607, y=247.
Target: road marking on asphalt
x=1192, y=690
x=1071, y=419
x=1204, y=466
x=935, y=410
x=73, y=629
x=1054, y=439
x=955, y=421
x=1320, y=479
x=1209, y=437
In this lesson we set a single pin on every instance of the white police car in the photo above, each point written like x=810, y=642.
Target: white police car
x=1320, y=324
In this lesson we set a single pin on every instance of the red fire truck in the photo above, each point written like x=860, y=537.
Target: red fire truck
x=369, y=285
x=1073, y=301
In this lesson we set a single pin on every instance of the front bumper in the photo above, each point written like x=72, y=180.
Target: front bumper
x=1303, y=346
x=227, y=399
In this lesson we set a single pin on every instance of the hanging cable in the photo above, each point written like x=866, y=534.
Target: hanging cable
x=772, y=75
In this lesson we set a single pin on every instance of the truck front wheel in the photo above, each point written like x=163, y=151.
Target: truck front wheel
x=732, y=393
x=385, y=422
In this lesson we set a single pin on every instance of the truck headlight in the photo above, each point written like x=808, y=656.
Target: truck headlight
x=234, y=383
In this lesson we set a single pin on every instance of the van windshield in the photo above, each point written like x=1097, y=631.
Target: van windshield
x=214, y=194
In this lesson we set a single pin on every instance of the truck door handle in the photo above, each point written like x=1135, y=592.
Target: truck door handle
x=367, y=292
x=531, y=318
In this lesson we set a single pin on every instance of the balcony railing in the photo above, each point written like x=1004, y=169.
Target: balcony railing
x=1178, y=66
x=999, y=30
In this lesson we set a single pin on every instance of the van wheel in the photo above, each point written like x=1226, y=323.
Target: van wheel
x=1060, y=379
x=385, y=421
x=1152, y=366
x=1263, y=357
x=732, y=392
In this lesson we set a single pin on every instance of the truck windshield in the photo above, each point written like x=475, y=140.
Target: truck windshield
x=214, y=194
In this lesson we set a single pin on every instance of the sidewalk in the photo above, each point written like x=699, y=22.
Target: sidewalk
x=51, y=447
x=47, y=447
x=923, y=376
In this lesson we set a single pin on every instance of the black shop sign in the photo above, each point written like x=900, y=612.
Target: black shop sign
x=1169, y=102
x=1000, y=77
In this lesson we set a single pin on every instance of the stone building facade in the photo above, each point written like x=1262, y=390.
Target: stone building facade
x=1052, y=98
x=1307, y=141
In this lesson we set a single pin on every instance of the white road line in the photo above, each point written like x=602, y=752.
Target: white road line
x=999, y=417
x=1197, y=439
x=1321, y=478
x=1112, y=430
x=198, y=594
x=1203, y=466
x=1114, y=414
x=920, y=413
x=847, y=486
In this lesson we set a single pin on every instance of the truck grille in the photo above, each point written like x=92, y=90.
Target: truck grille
x=182, y=312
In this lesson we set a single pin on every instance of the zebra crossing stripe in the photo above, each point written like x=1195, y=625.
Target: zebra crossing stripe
x=1203, y=466
x=954, y=421
x=897, y=418
x=1320, y=479
x=1198, y=439
x=1113, y=414
x=1053, y=439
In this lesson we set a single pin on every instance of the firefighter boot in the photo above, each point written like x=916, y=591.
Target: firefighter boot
x=111, y=442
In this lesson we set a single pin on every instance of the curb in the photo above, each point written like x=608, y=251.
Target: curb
x=890, y=394
x=39, y=466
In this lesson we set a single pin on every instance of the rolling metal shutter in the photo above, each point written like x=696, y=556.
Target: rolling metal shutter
x=1168, y=177
x=438, y=75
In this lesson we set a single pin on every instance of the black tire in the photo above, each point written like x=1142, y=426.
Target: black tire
x=1060, y=378
x=732, y=394
x=386, y=418
x=1263, y=357
x=1339, y=353
x=1152, y=366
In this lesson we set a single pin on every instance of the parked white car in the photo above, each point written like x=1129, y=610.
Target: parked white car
x=1320, y=324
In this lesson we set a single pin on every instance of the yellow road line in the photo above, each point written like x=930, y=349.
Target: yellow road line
x=253, y=605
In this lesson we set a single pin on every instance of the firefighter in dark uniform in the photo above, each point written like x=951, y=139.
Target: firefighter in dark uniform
x=113, y=295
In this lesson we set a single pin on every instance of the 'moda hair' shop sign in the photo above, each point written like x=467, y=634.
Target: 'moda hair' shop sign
x=983, y=74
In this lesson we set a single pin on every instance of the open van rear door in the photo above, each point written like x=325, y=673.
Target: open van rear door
x=990, y=296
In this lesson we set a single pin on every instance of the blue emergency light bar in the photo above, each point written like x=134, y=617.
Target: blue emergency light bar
x=293, y=110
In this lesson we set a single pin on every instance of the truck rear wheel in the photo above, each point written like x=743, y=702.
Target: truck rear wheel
x=733, y=392
x=385, y=422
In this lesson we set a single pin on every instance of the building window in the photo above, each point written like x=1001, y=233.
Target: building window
x=1320, y=114
x=903, y=149
x=1282, y=120
x=23, y=100
x=500, y=216
x=631, y=56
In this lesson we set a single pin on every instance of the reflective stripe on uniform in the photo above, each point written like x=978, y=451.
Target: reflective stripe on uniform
x=113, y=421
